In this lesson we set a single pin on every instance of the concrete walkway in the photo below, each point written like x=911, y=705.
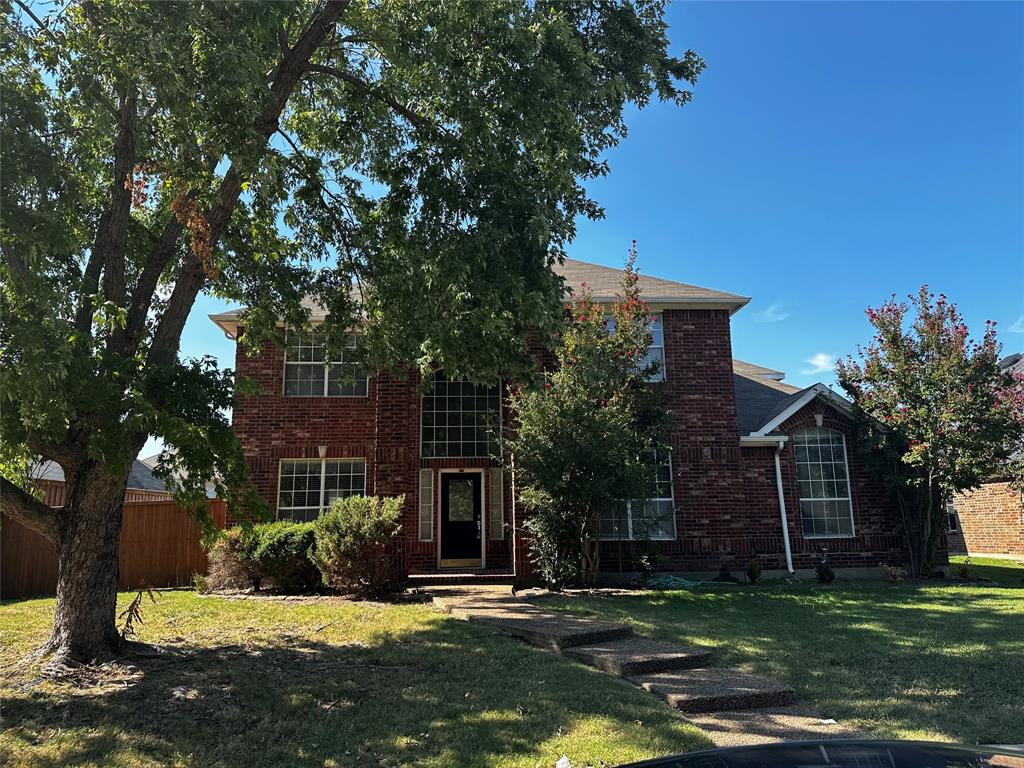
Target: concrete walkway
x=731, y=707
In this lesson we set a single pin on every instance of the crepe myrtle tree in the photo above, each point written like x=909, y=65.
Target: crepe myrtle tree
x=936, y=408
x=413, y=168
x=584, y=431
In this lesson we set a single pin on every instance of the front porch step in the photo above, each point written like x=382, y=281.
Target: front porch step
x=714, y=689
x=445, y=579
x=556, y=631
x=639, y=655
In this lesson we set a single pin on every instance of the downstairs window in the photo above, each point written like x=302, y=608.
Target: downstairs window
x=826, y=509
x=306, y=486
x=651, y=518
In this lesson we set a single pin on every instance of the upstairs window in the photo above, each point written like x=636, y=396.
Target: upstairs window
x=460, y=420
x=655, y=352
x=825, y=505
x=651, y=518
x=308, y=372
x=306, y=486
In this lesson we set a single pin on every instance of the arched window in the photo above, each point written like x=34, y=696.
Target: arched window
x=825, y=506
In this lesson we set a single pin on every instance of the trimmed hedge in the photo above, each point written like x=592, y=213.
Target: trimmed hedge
x=354, y=544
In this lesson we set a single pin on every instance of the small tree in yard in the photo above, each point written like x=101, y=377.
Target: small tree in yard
x=937, y=411
x=583, y=436
x=415, y=169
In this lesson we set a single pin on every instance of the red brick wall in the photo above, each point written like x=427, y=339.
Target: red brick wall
x=878, y=533
x=991, y=521
x=726, y=498
x=383, y=428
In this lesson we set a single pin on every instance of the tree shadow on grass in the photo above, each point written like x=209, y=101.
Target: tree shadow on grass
x=927, y=660
x=450, y=694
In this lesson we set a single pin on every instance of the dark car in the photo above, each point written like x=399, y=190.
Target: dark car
x=846, y=753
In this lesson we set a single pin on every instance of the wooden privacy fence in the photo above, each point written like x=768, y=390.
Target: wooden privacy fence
x=159, y=548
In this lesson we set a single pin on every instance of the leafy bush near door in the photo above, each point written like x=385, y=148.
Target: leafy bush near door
x=354, y=544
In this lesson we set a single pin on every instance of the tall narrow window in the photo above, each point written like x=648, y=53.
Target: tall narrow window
x=306, y=486
x=825, y=506
x=496, y=507
x=308, y=372
x=426, y=505
x=952, y=524
x=656, y=351
x=460, y=419
x=650, y=518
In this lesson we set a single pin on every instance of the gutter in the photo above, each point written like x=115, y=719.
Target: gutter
x=778, y=443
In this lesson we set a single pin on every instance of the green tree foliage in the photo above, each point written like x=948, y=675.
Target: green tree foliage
x=413, y=168
x=940, y=414
x=583, y=435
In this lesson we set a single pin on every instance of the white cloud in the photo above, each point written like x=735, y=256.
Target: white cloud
x=819, y=363
x=1018, y=326
x=775, y=313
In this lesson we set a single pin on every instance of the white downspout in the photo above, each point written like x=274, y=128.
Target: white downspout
x=782, y=508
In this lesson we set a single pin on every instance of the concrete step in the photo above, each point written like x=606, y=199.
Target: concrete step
x=715, y=690
x=639, y=655
x=773, y=724
x=528, y=622
x=474, y=578
x=554, y=631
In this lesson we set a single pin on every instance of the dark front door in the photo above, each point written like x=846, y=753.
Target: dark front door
x=460, y=518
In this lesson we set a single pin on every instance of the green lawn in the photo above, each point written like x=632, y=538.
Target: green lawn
x=938, y=661
x=326, y=684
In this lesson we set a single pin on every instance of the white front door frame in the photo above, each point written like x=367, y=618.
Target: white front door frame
x=483, y=509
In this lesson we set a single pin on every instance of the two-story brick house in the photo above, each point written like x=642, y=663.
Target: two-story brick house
x=754, y=466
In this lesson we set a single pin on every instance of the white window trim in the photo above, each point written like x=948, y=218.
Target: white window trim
x=501, y=427
x=323, y=478
x=496, y=503
x=419, y=518
x=663, y=372
x=951, y=513
x=326, y=378
x=848, y=499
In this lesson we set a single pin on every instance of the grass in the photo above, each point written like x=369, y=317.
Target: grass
x=917, y=660
x=260, y=683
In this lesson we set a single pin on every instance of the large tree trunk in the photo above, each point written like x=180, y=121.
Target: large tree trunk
x=84, y=625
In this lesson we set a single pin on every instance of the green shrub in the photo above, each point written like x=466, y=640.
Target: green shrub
x=354, y=544
x=824, y=571
x=281, y=554
x=754, y=569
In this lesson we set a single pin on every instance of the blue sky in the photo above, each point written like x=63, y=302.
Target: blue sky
x=834, y=153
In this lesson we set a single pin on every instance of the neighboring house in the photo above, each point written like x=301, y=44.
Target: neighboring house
x=152, y=461
x=990, y=519
x=755, y=466
x=142, y=484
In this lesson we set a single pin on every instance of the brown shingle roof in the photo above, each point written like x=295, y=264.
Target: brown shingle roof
x=603, y=283
x=756, y=371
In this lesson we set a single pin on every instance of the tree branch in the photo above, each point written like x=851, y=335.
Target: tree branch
x=416, y=120
x=120, y=202
x=192, y=275
x=107, y=253
x=22, y=507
